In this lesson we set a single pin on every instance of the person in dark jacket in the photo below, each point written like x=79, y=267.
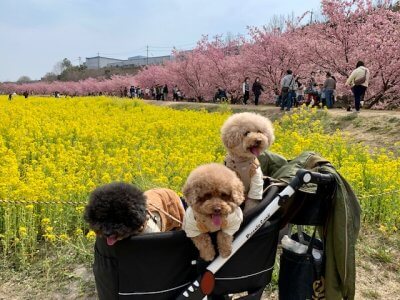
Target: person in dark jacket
x=165, y=92
x=175, y=93
x=287, y=90
x=132, y=91
x=257, y=89
x=220, y=95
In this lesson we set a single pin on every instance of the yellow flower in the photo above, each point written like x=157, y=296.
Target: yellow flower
x=45, y=222
x=78, y=231
x=22, y=232
x=49, y=237
x=63, y=237
x=29, y=206
x=91, y=235
x=79, y=209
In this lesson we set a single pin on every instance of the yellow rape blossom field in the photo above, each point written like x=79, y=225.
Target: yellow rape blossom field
x=55, y=151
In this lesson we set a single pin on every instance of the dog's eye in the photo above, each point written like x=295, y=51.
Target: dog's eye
x=225, y=196
x=206, y=197
x=259, y=131
x=246, y=133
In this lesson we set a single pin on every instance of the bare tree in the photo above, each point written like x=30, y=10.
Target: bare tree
x=61, y=66
x=24, y=79
x=277, y=23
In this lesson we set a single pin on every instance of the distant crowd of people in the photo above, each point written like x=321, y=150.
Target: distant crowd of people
x=292, y=92
x=157, y=92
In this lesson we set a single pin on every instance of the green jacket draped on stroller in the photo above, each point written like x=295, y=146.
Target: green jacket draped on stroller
x=342, y=226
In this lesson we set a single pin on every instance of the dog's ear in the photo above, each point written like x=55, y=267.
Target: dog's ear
x=237, y=191
x=190, y=192
x=231, y=135
x=269, y=132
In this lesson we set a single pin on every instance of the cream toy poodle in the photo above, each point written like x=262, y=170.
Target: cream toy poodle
x=245, y=136
x=213, y=194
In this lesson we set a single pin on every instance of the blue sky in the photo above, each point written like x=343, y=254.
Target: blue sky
x=36, y=34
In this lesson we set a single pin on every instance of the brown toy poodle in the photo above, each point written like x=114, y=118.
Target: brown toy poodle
x=214, y=194
x=118, y=210
x=245, y=136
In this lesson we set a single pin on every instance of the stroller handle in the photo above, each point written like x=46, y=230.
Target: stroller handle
x=305, y=176
x=195, y=290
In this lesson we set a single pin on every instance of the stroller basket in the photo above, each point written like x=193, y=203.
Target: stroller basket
x=161, y=265
x=164, y=265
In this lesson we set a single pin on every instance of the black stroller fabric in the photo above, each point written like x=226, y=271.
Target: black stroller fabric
x=161, y=265
x=151, y=266
x=251, y=267
x=301, y=275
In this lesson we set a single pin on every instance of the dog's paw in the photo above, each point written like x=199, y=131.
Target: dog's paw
x=224, y=242
x=207, y=255
x=225, y=252
x=205, y=246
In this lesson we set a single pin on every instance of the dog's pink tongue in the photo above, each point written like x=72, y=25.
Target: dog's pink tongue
x=216, y=219
x=255, y=151
x=111, y=240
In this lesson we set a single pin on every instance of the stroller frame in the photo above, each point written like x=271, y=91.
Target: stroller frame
x=204, y=284
x=122, y=271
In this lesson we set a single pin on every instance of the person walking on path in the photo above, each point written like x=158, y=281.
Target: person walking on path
x=257, y=89
x=246, y=90
x=165, y=92
x=287, y=90
x=132, y=91
x=329, y=88
x=359, y=81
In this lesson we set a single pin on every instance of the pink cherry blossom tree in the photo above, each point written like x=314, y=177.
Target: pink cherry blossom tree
x=350, y=30
x=356, y=30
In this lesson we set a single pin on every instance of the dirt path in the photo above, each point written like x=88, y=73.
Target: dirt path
x=269, y=108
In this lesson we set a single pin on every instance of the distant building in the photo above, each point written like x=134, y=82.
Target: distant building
x=98, y=62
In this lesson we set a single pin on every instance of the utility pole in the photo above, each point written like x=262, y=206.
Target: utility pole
x=98, y=60
x=80, y=61
x=147, y=59
x=311, y=14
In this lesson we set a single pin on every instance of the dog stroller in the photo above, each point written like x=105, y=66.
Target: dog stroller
x=166, y=266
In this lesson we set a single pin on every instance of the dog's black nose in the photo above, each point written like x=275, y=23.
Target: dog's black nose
x=217, y=210
x=107, y=234
x=258, y=142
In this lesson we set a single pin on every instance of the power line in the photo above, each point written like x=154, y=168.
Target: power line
x=149, y=47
